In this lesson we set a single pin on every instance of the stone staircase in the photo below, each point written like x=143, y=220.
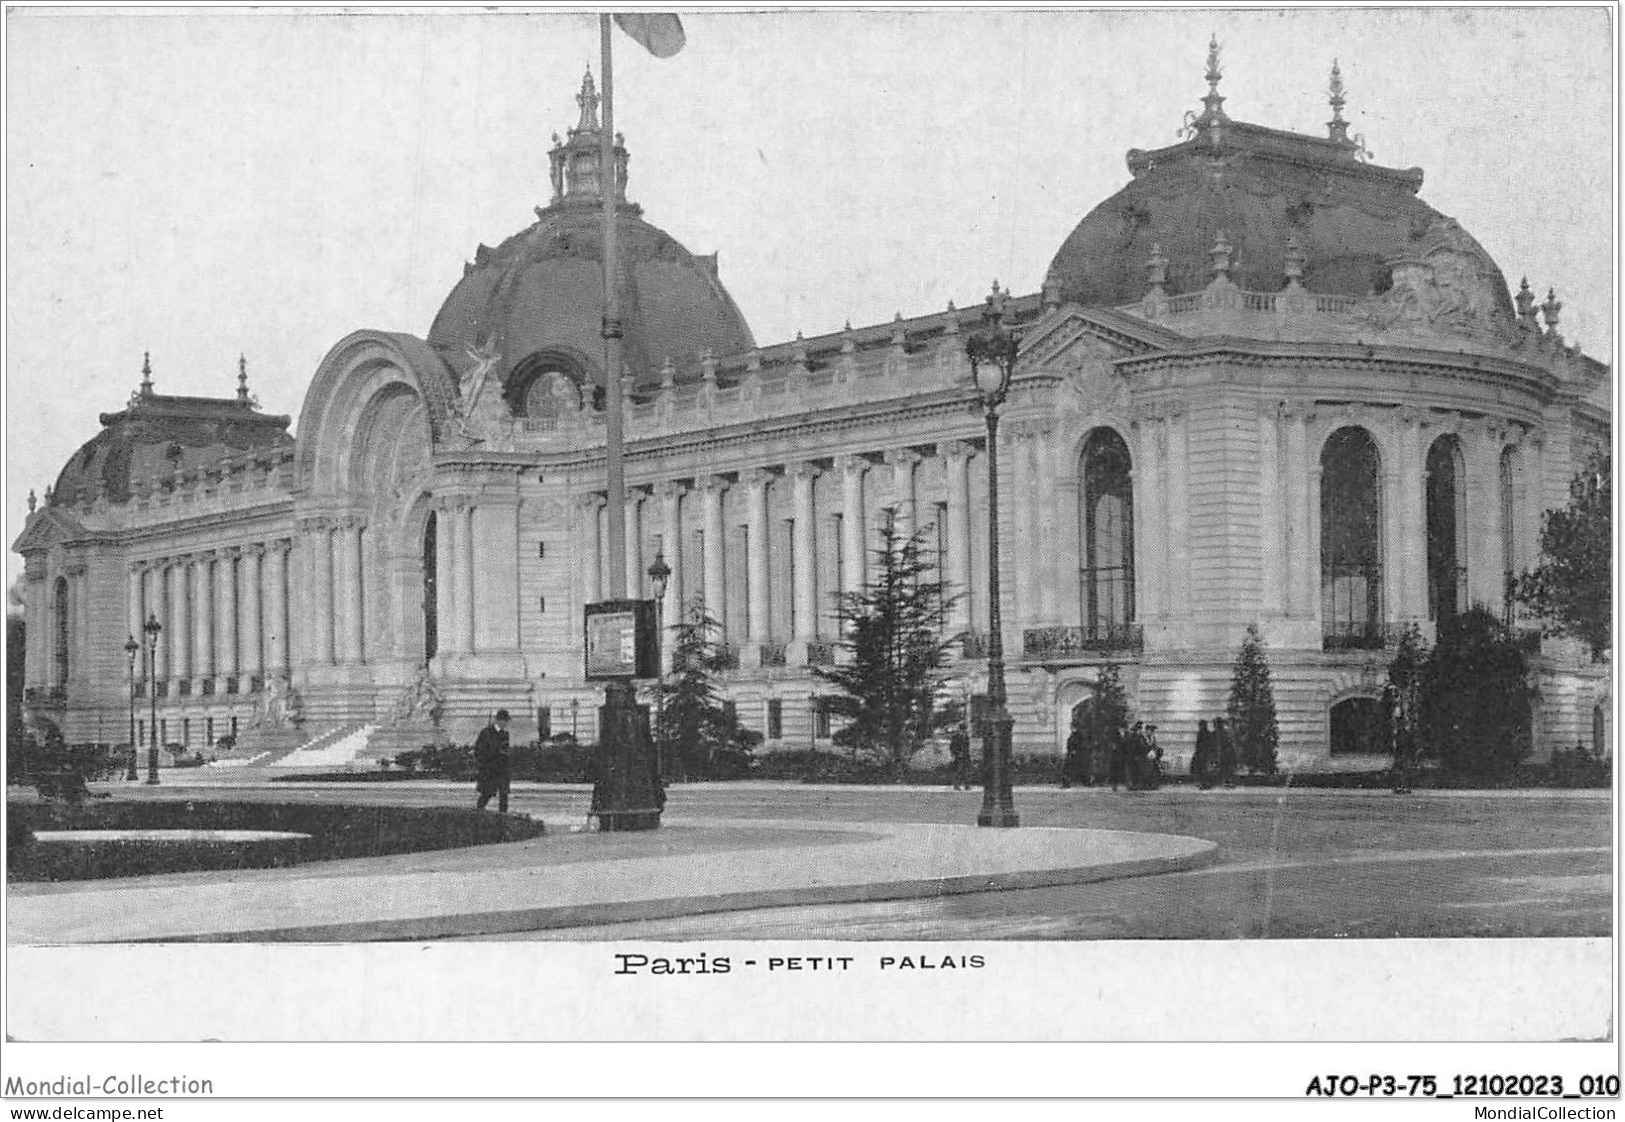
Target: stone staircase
x=338, y=747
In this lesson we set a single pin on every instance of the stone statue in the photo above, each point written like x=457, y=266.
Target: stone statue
x=418, y=702
x=279, y=706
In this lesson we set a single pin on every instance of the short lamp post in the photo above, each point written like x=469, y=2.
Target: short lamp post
x=131, y=649
x=992, y=353
x=659, y=575
x=151, y=630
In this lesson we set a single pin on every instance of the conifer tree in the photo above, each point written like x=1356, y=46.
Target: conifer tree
x=896, y=636
x=697, y=733
x=1572, y=589
x=1108, y=719
x=1252, y=707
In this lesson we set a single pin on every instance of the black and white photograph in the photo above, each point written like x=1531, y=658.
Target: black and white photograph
x=1055, y=526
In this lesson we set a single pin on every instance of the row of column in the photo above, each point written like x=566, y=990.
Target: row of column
x=335, y=593
x=224, y=613
x=798, y=584
x=454, y=575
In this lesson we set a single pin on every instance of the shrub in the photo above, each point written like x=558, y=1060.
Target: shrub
x=1252, y=707
x=1475, y=697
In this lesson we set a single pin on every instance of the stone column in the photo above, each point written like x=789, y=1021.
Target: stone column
x=180, y=621
x=804, y=552
x=756, y=556
x=132, y=615
x=852, y=521
x=34, y=621
x=1316, y=578
x=1150, y=520
x=716, y=601
x=250, y=661
x=203, y=622
x=278, y=624
x=350, y=591
x=226, y=624
x=79, y=625
x=634, y=542
x=1272, y=570
x=320, y=541
x=445, y=591
x=956, y=462
x=1482, y=457
x=902, y=461
x=1048, y=556
x=671, y=549
x=1179, y=555
x=158, y=606
x=1017, y=563
x=464, y=566
x=1412, y=533
x=1532, y=506
x=1299, y=565
x=589, y=565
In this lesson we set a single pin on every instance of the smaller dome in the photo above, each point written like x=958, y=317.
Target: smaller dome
x=157, y=435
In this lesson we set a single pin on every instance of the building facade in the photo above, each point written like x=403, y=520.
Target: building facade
x=1264, y=383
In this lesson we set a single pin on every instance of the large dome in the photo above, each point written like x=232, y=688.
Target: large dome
x=1351, y=220
x=538, y=297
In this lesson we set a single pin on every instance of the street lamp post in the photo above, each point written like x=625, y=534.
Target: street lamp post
x=992, y=353
x=151, y=630
x=659, y=575
x=130, y=650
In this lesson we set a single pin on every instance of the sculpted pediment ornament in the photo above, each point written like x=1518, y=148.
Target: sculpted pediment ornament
x=1446, y=290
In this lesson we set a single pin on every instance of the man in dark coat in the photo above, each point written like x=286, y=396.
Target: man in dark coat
x=959, y=751
x=1202, y=762
x=491, y=757
x=1227, y=752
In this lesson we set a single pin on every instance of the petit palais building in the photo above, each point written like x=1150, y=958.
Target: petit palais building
x=1263, y=383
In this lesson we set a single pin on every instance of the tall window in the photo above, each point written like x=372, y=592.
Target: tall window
x=1350, y=543
x=1106, y=525
x=62, y=631
x=431, y=606
x=1447, y=553
x=1509, y=528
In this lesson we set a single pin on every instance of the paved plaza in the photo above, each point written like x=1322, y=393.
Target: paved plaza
x=785, y=860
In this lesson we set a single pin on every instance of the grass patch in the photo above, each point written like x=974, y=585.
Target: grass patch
x=336, y=832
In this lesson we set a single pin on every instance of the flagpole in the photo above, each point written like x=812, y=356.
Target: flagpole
x=615, y=468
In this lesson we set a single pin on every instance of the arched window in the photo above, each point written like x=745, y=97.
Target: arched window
x=62, y=631
x=543, y=389
x=1106, y=526
x=1447, y=544
x=1509, y=527
x=1350, y=541
x=431, y=616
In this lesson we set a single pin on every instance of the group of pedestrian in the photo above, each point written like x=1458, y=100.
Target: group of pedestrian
x=1132, y=757
x=1141, y=759
x=1215, y=755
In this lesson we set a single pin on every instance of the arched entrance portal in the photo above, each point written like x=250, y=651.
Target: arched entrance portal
x=1357, y=728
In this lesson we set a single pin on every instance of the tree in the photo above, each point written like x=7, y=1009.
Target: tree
x=1572, y=588
x=1475, y=695
x=896, y=636
x=1107, y=721
x=1252, y=707
x=698, y=734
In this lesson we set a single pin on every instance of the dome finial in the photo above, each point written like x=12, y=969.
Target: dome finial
x=146, y=373
x=588, y=100
x=1219, y=257
x=1526, y=305
x=1214, y=101
x=1337, y=128
x=1550, y=309
x=242, y=379
x=1156, y=268
x=32, y=501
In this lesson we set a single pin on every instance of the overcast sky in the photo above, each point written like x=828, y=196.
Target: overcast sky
x=266, y=182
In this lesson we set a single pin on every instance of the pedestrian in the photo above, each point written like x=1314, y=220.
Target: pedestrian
x=1227, y=751
x=1202, y=760
x=1134, y=753
x=1154, y=757
x=959, y=750
x=491, y=758
x=1077, y=741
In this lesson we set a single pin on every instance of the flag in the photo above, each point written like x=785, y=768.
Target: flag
x=661, y=33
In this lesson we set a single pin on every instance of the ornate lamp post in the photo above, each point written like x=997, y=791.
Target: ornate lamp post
x=151, y=630
x=659, y=574
x=992, y=353
x=130, y=650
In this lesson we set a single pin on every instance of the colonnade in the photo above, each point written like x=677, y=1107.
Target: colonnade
x=717, y=533
x=224, y=616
